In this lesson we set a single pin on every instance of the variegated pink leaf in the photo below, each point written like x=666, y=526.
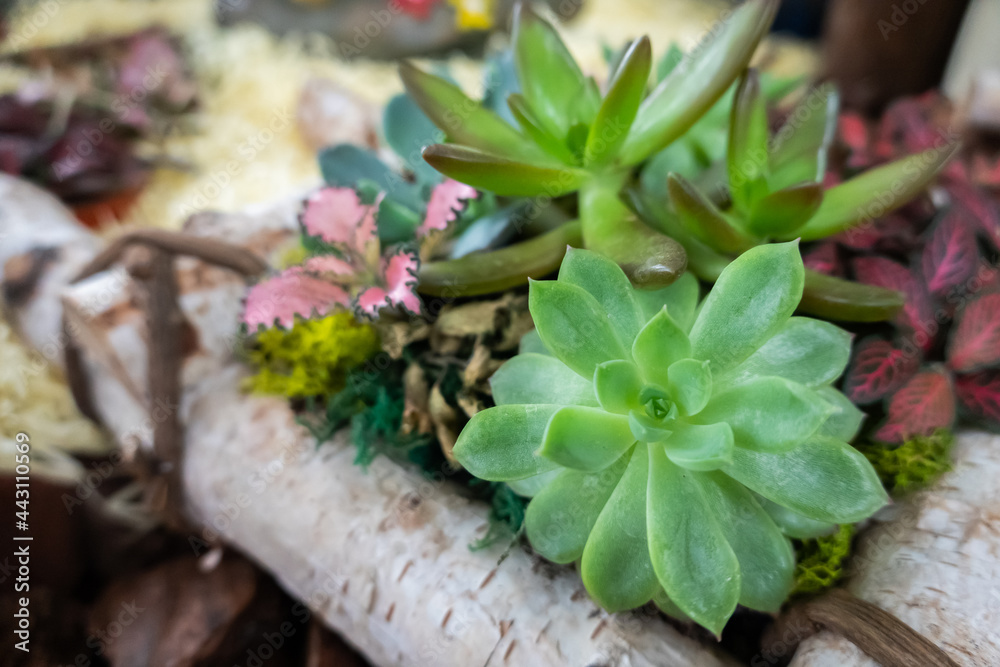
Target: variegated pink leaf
x=925, y=404
x=398, y=289
x=918, y=314
x=295, y=291
x=951, y=256
x=975, y=340
x=824, y=258
x=337, y=216
x=447, y=199
x=980, y=395
x=371, y=301
x=878, y=368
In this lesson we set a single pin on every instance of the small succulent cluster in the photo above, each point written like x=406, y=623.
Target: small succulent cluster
x=672, y=447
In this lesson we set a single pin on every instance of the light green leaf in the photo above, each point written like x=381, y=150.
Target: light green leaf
x=618, y=110
x=700, y=447
x=660, y=343
x=698, y=81
x=559, y=519
x=680, y=300
x=750, y=302
x=768, y=414
x=746, y=158
x=703, y=220
x=573, y=326
x=782, y=212
x=667, y=606
x=616, y=568
x=607, y=283
x=505, y=177
x=531, y=343
x=529, y=487
x=690, y=384
x=823, y=479
x=804, y=350
x=618, y=384
x=767, y=562
x=799, y=149
x=793, y=524
x=498, y=444
x=586, y=439
x=534, y=378
x=692, y=559
x=646, y=429
x=845, y=423
x=535, y=129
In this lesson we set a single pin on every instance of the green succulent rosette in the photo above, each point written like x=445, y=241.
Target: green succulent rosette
x=673, y=448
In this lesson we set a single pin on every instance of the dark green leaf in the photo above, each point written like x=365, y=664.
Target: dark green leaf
x=836, y=299
x=781, y=213
x=703, y=220
x=502, y=176
x=408, y=131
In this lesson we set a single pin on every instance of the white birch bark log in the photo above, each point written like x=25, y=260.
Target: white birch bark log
x=380, y=555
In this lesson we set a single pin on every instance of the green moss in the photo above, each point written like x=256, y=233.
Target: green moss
x=912, y=466
x=820, y=561
x=312, y=358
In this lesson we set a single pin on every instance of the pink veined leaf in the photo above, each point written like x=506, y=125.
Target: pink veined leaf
x=982, y=212
x=877, y=370
x=918, y=313
x=294, y=291
x=951, y=256
x=980, y=394
x=447, y=199
x=337, y=216
x=854, y=133
x=975, y=339
x=400, y=287
x=824, y=258
x=925, y=404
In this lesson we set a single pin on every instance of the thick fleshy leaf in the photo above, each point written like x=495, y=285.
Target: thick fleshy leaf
x=975, y=340
x=618, y=384
x=559, y=519
x=810, y=352
x=529, y=487
x=751, y=301
x=680, y=300
x=874, y=193
x=845, y=422
x=792, y=523
x=647, y=429
x=490, y=171
x=700, y=447
x=650, y=259
x=408, y=131
x=799, y=148
x=766, y=559
x=832, y=298
x=746, y=158
x=690, y=384
x=769, y=414
x=877, y=370
x=667, y=606
x=918, y=313
x=586, y=439
x=498, y=444
x=296, y=291
x=535, y=378
x=447, y=200
x=951, y=254
x=980, y=395
x=923, y=405
x=463, y=119
x=698, y=81
x=660, y=343
x=703, y=219
x=618, y=110
x=692, y=559
x=782, y=212
x=573, y=325
x=337, y=216
x=823, y=479
x=607, y=283
x=531, y=343
x=535, y=128
x=550, y=79
x=616, y=568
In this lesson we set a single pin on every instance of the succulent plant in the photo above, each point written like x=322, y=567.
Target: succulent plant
x=672, y=447
x=569, y=139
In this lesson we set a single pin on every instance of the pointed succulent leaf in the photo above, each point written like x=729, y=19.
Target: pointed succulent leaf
x=923, y=405
x=660, y=343
x=703, y=220
x=951, y=255
x=573, y=325
x=561, y=516
x=690, y=384
x=498, y=444
x=616, y=568
x=618, y=384
x=408, y=131
x=607, y=283
x=620, y=105
x=692, y=559
x=651, y=260
x=463, y=119
x=782, y=212
x=698, y=81
x=535, y=378
x=587, y=439
x=701, y=448
x=975, y=340
x=551, y=80
x=531, y=343
x=845, y=422
x=768, y=414
x=447, y=200
x=489, y=171
x=832, y=298
x=646, y=429
x=798, y=150
x=874, y=193
x=667, y=606
x=751, y=301
x=794, y=524
x=680, y=300
x=529, y=487
x=980, y=395
x=536, y=130
x=746, y=158
x=877, y=370
x=766, y=559
x=810, y=352
x=822, y=479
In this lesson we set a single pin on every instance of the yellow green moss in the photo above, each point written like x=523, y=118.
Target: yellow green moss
x=312, y=358
x=914, y=465
x=821, y=561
